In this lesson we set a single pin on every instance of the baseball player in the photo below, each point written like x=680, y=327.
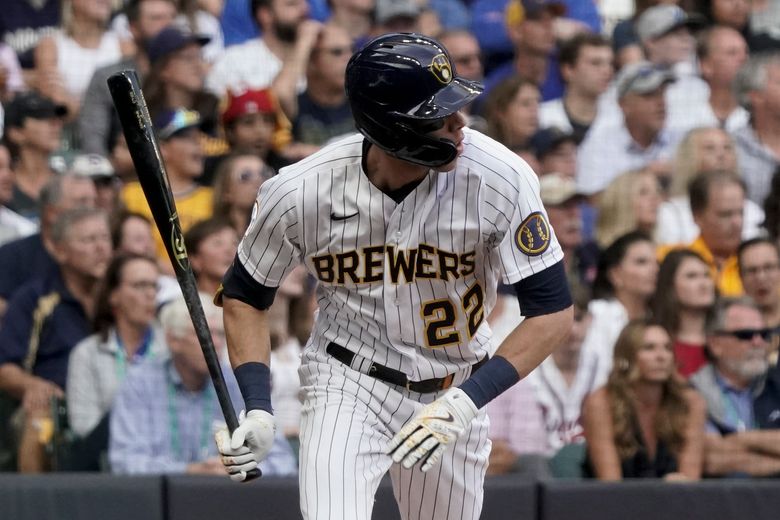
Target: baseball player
x=408, y=228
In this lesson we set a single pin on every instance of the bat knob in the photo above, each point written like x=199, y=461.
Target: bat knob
x=253, y=474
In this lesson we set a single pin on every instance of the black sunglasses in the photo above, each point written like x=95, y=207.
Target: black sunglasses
x=748, y=334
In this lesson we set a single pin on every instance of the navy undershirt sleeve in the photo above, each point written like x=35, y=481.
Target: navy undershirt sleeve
x=544, y=292
x=239, y=285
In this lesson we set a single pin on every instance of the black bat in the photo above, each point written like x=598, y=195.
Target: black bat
x=142, y=143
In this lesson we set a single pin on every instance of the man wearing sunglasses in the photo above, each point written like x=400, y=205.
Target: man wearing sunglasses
x=742, y=394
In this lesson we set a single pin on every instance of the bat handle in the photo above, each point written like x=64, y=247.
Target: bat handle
x=232, y=424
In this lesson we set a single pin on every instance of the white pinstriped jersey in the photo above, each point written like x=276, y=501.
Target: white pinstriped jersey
x=406, y=285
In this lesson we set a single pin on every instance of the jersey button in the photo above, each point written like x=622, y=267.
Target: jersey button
x=397, y=302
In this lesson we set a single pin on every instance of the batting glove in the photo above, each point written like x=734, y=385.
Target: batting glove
x=249, y=444
x=427, y=435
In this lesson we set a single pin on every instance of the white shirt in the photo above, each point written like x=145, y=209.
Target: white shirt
x=14, y=226
x=609, y=318
x=76, y=64
x=248, y=65
x=285, y=386
x=675, y=223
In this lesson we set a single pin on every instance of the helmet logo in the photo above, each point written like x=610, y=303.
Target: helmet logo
x=441, y=69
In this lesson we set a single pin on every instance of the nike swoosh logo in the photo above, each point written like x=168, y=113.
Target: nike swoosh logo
x=449, y=418
x=333, y=216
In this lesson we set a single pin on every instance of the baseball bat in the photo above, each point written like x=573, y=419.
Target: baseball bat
x=142, y=143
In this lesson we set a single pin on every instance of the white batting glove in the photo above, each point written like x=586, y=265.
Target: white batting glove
x=249, y=444
x=429, y=432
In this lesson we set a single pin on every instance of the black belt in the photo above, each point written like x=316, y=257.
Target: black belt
x=396, y=377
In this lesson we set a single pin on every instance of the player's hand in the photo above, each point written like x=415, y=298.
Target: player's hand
x=429, y=432
x=249, y=444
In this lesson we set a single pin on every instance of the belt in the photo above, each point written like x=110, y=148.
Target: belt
x=396, y=377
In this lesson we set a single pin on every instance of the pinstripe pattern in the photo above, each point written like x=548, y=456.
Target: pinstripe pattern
x=395, y=280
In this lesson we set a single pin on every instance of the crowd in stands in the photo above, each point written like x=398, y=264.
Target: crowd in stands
x=654, y=128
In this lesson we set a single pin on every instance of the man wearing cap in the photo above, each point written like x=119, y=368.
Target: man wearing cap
x=562, y=200
x=286, y=41
x=530, y=26
x=180, y=146
x=556, y=151
x=99, y=170
x=639, y=139
x=33, y=126
x=396, y=16
x=97, y=124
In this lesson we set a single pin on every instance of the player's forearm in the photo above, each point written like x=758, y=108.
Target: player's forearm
x=535, y=339
x=247, y=333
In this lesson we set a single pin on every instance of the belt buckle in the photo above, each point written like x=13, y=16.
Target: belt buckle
x=447, y=381
x=408, y=385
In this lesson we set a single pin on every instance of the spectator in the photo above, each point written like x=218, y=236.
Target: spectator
x=736, y=14
x=97, y=125
x=237, y=181
x=717, y=203
x=66, y=60
x=644, y=423
x=181, y=150
x=100, y=171
x=255, y=63
x=211, y=245
x=563, y=381
x=530, y=26
x=33, y=125
x=722, y=51
x=354, y=16
x=512, y=112
x=741, y=393
x=563, y=203
x=556, y=151
x=586, y=69
x=701, y=150
x=397, y=16
x=321, y=112
x=466, y=57
x=759, y=269
x=625, y=283
x=23, y=24
x=131, y=233
x=46, y=318
x=639, y=140
x=124, y=337
x=166, y=412
x=32, y=257
x=177, y=76
x=12, y=225
x=630, y=203
x=758, y=144
x=253, y=124
x=625, y=41
x=683, y=305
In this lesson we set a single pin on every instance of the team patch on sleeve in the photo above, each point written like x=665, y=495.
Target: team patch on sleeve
x=533, y=234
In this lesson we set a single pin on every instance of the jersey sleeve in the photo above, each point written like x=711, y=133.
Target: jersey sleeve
x=526, y=241
x=270, y=248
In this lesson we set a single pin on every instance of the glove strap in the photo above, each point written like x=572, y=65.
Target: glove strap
x=254, y=380
x=495, y=377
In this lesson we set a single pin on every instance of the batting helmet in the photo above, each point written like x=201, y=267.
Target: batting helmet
x=400, y=88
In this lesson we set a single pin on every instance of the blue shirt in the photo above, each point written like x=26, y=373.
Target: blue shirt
x=159, y=427
x=24, y=260
x=738, y=405
x=45, y=306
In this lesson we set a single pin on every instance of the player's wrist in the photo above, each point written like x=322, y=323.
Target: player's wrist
x=254, y=381
x=492, y=379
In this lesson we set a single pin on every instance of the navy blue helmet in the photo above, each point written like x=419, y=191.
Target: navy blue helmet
x=400, y=88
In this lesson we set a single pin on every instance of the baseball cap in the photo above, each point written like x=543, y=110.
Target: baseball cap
x=641, y=77
x=556, y=189
x=386, y=10
x=663, y=19
x=91, y=165
x=547, y=139
x=171, y=122
x=170, y=40
x=34, y=105
x=249, y=102
x=519, y=10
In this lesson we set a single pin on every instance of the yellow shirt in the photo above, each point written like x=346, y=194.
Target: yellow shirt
x=192, y=207
x=726, y=277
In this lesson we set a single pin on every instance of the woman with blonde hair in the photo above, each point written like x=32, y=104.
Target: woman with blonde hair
x=645, y=423
x=701, y=150
x=66, y=60
x=629, y=203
